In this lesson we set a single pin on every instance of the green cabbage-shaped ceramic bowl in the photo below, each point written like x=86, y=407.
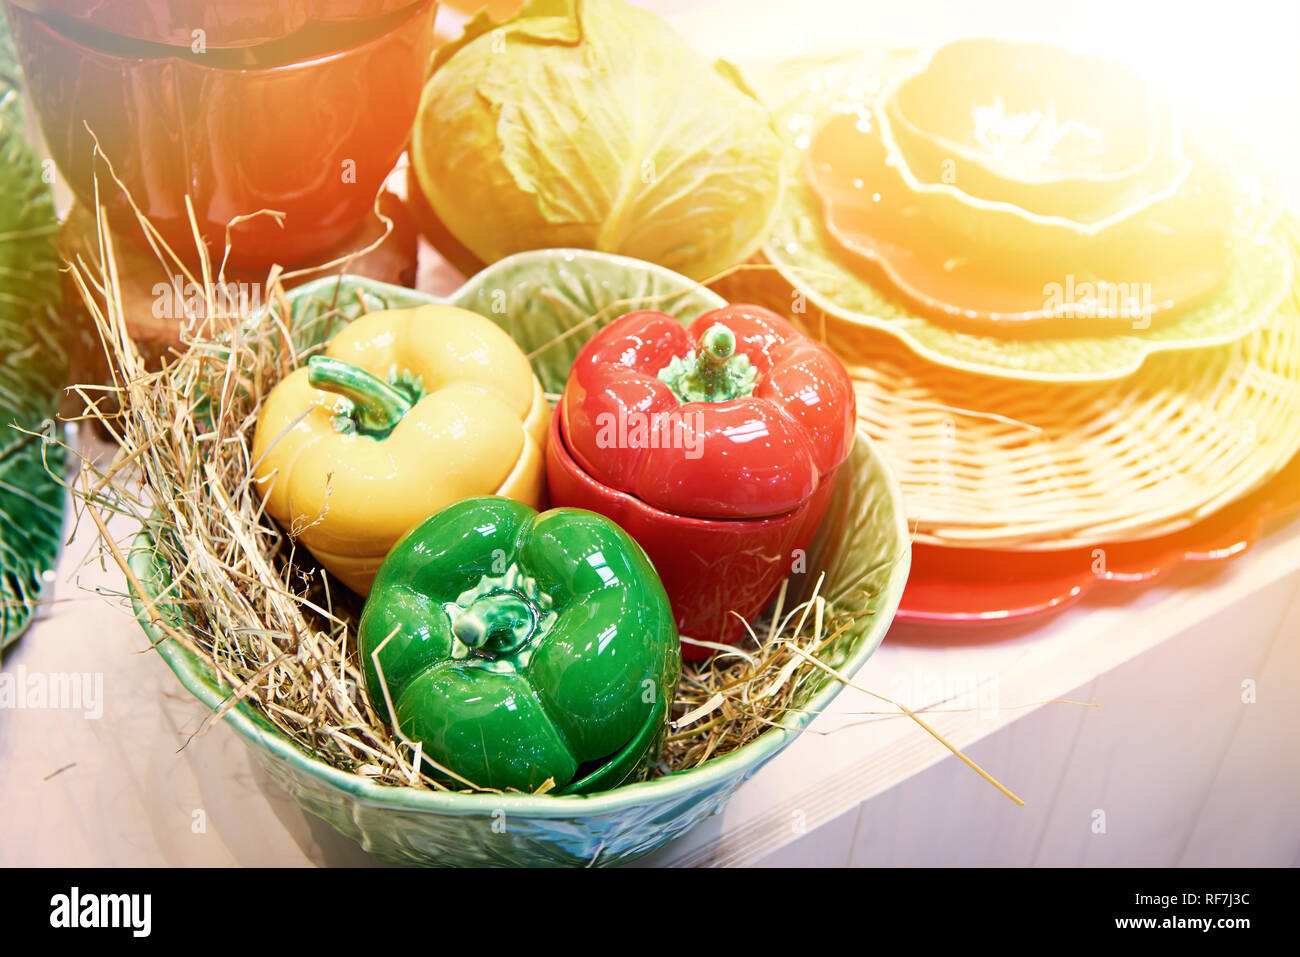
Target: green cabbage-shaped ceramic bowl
x=863, y=548
x=33, y=365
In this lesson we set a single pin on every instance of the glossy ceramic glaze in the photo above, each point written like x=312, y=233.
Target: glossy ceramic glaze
x=847, y=295
x=313, y=138
x=719, y=465
x=521, y=649
x=35, y=342
x=1024, y=122
x=860, y=557
x=865, y=562
x=963, y=586
x=1145, y=266
x=224, y=23
x=465, y=416
x=1027, y=146
x=711, y=568
x=751, y=451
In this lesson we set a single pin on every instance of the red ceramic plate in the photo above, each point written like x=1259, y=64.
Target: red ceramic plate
x=962, y=586
x=876, y=220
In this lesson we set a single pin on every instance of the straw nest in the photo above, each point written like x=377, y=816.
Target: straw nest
x=259, y=611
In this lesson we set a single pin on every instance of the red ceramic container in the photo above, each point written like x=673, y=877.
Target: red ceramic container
x=225, y=23
x=709, y=567
x=312, y=138
x=732, y=432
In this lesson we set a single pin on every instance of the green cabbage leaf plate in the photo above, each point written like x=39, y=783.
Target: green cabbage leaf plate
x=33, y=365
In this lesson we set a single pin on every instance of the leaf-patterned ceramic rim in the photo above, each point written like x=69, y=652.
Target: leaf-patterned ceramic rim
x=33, y=368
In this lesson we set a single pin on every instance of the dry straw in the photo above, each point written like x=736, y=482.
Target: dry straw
x=260, y=613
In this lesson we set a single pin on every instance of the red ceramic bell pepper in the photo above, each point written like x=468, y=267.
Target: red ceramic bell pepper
x=715, y=446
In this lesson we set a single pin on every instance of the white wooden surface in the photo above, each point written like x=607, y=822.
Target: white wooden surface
x=1184, y=771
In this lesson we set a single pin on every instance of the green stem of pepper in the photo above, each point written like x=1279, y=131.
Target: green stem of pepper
x=377, y=406
x=714, y=373
x=498, y=623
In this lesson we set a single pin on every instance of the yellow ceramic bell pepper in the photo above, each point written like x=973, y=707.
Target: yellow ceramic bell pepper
x=408, y=411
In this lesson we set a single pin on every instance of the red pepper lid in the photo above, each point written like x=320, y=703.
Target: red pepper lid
x=739, y=415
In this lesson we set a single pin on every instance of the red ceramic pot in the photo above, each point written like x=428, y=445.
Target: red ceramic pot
x=225, y=23
x=714, y=444
x=709, y=567
x=313, y=138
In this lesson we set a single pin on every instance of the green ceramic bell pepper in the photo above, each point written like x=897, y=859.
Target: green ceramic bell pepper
x=518, y=647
